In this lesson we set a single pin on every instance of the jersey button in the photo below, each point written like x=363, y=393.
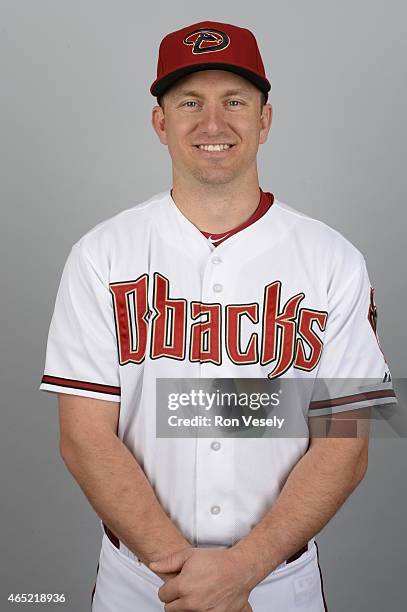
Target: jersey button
x=215, y=445
x=217, y=287
x=216, y=260
x=215, y=509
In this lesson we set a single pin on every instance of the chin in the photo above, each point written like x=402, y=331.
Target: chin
x=219, y=180
x=214, y=178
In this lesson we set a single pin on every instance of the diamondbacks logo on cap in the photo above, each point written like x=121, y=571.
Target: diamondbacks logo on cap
x=206, y=41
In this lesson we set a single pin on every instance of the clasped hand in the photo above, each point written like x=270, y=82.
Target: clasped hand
x=207, y=579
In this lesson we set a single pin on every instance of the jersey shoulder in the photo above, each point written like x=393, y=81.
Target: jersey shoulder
x=101, y=244
x=321, y=241
x=139, y=213
x=130, y=223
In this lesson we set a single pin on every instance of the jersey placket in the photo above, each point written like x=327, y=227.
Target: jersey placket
x=215, y=473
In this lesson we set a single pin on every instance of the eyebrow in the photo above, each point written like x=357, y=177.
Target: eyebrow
x=196, y=94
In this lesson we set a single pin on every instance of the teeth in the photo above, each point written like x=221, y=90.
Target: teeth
x=217, y=147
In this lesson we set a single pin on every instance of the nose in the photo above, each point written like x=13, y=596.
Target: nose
x=212, y=120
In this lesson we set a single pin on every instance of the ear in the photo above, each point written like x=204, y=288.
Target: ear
x=265, y=122
x=158, y=123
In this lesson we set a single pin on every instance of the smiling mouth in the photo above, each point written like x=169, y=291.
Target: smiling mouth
x=216, y=148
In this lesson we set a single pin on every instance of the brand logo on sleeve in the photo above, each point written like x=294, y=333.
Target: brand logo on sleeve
x=387, y=377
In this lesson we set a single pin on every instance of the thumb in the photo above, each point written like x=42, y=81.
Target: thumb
x=170, y=563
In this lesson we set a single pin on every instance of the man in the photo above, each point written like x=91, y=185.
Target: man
x=213, y=279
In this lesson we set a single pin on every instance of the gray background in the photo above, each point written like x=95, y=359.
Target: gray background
x=77, y=146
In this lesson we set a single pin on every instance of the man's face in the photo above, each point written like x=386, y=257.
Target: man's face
x=212, y=107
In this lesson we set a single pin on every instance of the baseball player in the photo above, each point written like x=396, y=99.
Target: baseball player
x=212, y=279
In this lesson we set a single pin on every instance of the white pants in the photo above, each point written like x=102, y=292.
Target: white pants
x=125, y=585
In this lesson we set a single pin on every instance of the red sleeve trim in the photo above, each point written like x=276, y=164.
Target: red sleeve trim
x=351, y=399
x=80, y=384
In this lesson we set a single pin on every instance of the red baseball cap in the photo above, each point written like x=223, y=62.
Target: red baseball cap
x=209, y=45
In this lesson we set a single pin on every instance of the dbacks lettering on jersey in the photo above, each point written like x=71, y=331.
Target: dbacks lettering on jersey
x=286, y=336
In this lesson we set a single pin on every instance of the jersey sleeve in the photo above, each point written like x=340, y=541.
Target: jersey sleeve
x=353, y=372
x=81, y=353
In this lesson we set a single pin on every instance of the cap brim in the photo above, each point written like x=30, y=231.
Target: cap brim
x=160, y=86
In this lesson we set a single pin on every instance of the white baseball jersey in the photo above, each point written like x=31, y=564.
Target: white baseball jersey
x=144, y=295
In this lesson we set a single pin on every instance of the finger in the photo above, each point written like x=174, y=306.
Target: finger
x=169, y=591
x=171, y=563
x=166, y=577
x=246, y=608
x=176, y=606
x=236, y=608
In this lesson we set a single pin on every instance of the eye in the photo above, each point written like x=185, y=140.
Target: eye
x=189, y=103
x=235, y=103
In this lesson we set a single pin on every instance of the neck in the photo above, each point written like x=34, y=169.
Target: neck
x=217, y=208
